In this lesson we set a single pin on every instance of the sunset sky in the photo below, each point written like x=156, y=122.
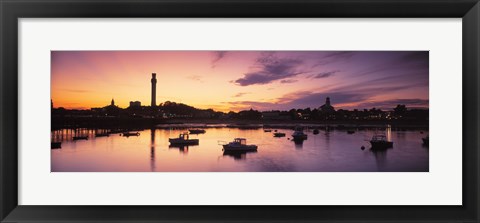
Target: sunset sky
x=238, y=80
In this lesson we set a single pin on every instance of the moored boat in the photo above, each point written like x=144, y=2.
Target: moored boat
x=267, y=130
x=127, y=134
x=350, y=131
x=196, y=131
x=183, y=139
x=56, y=145
x=239, y=144
x=380, y=142
x=316, y=131
x=279, y=134
x=80, y=138
x=298, y=134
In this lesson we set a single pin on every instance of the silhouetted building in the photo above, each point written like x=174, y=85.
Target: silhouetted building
x=109, y=110
x=327, y=107
x=135, y=104
x=154, y=90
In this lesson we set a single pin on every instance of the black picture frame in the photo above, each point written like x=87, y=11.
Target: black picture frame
x=12, y=10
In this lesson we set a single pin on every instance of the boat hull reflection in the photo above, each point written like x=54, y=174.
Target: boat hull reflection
x=181, y=148
x=238, y=155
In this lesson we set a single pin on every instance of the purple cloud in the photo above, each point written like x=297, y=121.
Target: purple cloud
x=270, y=68
x=333, y=57
x=217, y=56
x=324, y=74
x=288, y=81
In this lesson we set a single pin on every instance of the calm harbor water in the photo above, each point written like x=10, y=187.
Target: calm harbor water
x=328, y=151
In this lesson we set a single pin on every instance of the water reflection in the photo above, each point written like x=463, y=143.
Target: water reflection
x=237, y=155
x=152, y=149
x=181, y=148
x=327, y=136
x=332, y=150
x=389, y=133
x=380, y=158
x=298, y=143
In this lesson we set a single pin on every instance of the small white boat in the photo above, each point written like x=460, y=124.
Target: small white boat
x=239, y=144
x=183, y=139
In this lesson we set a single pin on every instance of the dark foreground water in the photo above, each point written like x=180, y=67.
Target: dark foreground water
x=328, y=151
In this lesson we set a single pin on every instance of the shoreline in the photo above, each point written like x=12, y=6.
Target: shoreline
x=242, y=124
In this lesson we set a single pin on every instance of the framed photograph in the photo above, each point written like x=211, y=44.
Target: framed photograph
x=230, y=111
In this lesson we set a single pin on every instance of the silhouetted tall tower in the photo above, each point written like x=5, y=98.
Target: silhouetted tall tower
x=112, y=103
x=327, y=102
x=154, y=89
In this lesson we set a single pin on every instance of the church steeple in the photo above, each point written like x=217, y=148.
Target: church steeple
x=112, y=103
x=327, y=107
